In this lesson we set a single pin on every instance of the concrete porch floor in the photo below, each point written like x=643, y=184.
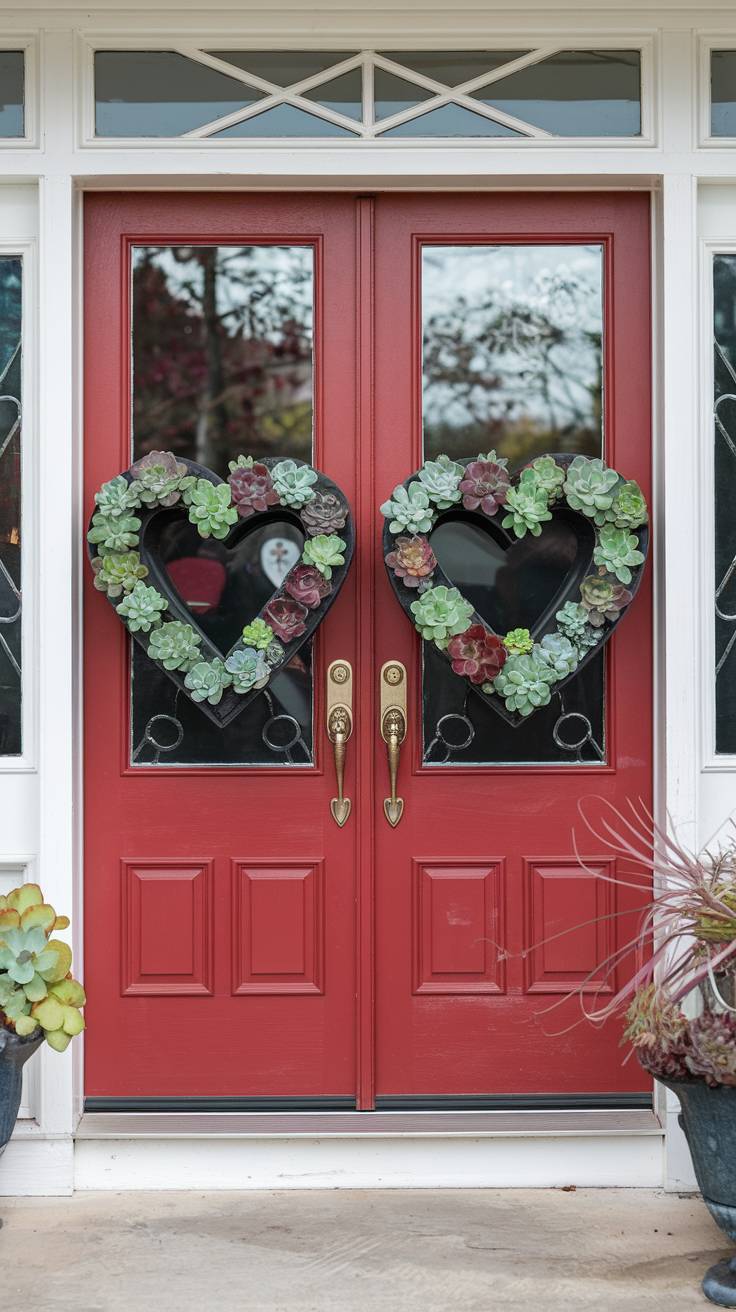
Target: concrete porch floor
x=314, y=1251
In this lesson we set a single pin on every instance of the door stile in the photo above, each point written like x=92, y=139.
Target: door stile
x=365, y=564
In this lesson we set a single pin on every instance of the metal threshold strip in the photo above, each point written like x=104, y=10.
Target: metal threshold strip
x=348, y=1124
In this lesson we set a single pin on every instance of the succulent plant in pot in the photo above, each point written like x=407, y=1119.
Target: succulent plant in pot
x=679, y=1003
x=39, y=999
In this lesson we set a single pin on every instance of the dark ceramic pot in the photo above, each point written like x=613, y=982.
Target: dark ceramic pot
x=708, y=1118
x=14, y=1053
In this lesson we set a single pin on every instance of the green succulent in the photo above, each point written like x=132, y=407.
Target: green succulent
x=440, y=613
x=207, y=680
x=274, y=653
x=618, y=551
x=527, y=505
x=524, y=682
x=629, y=509
x=160, y=478
x=560, y=654
x=602, y=597
x=325, y=551
x=517, y=641
x=248, y=668
x=589, y=487
x=258, y=634
x=118, y=497
x=242, y=462
x=114, y=533
x=409, y=508
x=441, y=479
x=548, y=475
x=293, y=483
x=36, y=989
x=210, y=508
x=175, y=646
x=142, y=608
x=118, y=573
x=491, y=458
x=574, y=622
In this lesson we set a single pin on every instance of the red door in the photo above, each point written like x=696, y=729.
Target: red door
x=240, y=945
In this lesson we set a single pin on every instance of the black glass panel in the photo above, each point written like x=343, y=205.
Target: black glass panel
x=450, y=121
x=723, y=93
x=512, y=361
x=159, y=93
x=283, y=67
x=342, y=94
x=724, y=309
x=392, y=94
x=222, y=366
x=575, y=93
x=285, y=121
x=12, y=77
x=451, y=67
x=10, y=505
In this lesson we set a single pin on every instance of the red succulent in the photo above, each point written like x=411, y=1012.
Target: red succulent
x=484, y=486
x=477, y=654
x=306, y=584
x=286, y=618
x=252, y=489
x=412, y=560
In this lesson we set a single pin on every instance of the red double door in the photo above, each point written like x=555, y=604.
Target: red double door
x=240, y=945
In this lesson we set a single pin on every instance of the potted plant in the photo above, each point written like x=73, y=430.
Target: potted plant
x=39, y=999
x=680, y=1002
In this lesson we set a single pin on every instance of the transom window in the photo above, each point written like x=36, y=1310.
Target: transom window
x=218, y=94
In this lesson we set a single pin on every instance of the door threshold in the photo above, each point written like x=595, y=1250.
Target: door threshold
x=342, y=1125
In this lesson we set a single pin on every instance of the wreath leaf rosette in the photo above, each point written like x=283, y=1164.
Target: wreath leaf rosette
x=518, y=672
x=126, y=560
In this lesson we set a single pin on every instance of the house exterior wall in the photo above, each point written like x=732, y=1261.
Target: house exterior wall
x=692, y=182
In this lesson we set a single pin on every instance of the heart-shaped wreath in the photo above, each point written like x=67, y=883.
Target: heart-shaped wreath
x=124, y=548
x=517, y=672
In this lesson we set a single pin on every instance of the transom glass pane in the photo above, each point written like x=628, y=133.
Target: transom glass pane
x=512, y=360
x=450, y=121
x=724, y=455
x=452, y=67
x=12, y=78
x=723, y=93
x=222, y=366
x=283, y=67
x=158, y=93
x=575, y=93
x=11, y=272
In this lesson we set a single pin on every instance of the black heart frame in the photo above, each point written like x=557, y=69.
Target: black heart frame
x=582, y=567
x=232, y=703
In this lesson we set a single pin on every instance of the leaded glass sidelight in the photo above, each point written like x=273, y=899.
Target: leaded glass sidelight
x=223, y=365
x=724, y=466
x=11, y=287
x=512, y=360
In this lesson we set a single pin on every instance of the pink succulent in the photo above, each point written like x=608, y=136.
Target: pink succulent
x=286, y=618
x=412, y=560
x=477, y=654
x=252, y=489
x=307, y=585
x=484, y=486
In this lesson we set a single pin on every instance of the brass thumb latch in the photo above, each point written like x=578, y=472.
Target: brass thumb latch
x=339, y=729
x=393, y=731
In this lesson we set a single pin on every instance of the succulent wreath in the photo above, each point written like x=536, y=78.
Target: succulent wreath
x=517, y=672
x=128, y=569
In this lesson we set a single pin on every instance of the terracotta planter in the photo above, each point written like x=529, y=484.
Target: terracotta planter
x=14, y=1053
x=708, y=1118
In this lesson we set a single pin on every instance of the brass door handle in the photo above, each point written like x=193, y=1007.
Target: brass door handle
x=393, y=731
x=339, y=729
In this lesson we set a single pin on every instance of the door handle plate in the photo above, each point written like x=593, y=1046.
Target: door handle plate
x=393, y=731
x=339, y=720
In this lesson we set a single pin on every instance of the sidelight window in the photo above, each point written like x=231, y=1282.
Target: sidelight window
x=10, y=505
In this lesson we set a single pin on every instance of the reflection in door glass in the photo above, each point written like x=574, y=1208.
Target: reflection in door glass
x=512, y=360
x=222, y=351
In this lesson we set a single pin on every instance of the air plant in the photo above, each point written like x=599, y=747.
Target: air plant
x=684, y=948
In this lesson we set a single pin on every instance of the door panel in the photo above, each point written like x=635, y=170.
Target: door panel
x=483, y=859
x=217, y=893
